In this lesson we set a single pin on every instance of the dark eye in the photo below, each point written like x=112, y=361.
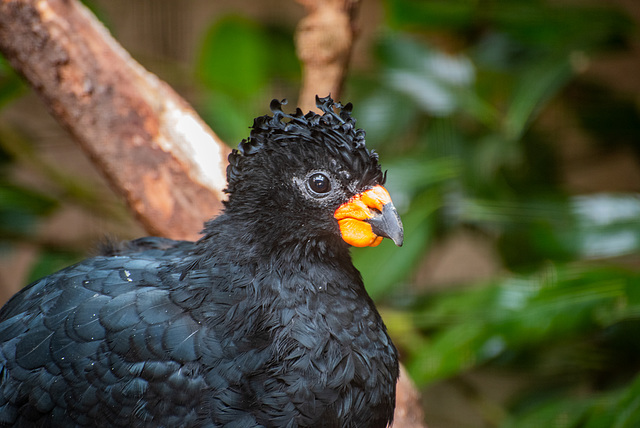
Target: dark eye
x=319, y=183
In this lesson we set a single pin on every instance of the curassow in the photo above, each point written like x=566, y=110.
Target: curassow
x=264, y=322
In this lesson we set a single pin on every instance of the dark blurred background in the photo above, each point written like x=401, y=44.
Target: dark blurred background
x=511, y=132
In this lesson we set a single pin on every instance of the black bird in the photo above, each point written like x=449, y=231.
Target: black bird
x=264, y=322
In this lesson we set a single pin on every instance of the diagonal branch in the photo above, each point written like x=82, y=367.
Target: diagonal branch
x=149, y=143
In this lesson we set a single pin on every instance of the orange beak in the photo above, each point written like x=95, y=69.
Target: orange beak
x=368, y=217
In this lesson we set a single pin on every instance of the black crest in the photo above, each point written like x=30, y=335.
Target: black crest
x=334, y=130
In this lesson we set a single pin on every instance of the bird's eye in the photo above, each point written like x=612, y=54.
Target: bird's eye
x=319, y=183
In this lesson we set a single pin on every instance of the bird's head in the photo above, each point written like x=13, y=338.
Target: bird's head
x=309, y=178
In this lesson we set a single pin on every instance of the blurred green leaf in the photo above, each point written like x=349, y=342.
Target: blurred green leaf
x=52, y=261
x=13, y=196
x=388, y=265
x=11, y=85
x=384, y=115
x=433, y=80
x=607, y=225
x=533, y=89
x=229, y=117
x=468, y=328
x=410, y=176
x=619, y=408
x=535, y=23
x=283, y=63
x=540, y=24
x=242, y=65
x=20, y=208
x=557, y=413
x=234, y=57
x=430, y=14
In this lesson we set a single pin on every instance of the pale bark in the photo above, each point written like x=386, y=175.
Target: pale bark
x=149, y=143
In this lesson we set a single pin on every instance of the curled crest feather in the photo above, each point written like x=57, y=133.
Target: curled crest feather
x=335, y=130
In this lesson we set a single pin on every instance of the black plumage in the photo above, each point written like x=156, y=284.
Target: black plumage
x=264, y=322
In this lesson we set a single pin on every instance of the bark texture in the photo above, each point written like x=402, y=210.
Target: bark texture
x=152, y=147
x=324, y=39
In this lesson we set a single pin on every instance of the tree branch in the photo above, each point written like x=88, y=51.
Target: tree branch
x=324, y=39
x=149, y=143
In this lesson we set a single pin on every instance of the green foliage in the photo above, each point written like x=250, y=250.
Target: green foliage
x=52, y=260
x=20, y=208
x=517, y=317
x=24, y=208
x=10, y=84
x=461, y=135
x=242, y=65
x=235, y=57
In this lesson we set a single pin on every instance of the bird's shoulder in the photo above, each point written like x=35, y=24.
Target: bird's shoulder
x=124, y=325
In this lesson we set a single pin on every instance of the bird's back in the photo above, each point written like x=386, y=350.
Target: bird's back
x=119, y=340
x=100, y=343
x=144, y=337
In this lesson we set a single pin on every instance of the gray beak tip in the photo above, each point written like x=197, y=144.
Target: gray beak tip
x=388, y=224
